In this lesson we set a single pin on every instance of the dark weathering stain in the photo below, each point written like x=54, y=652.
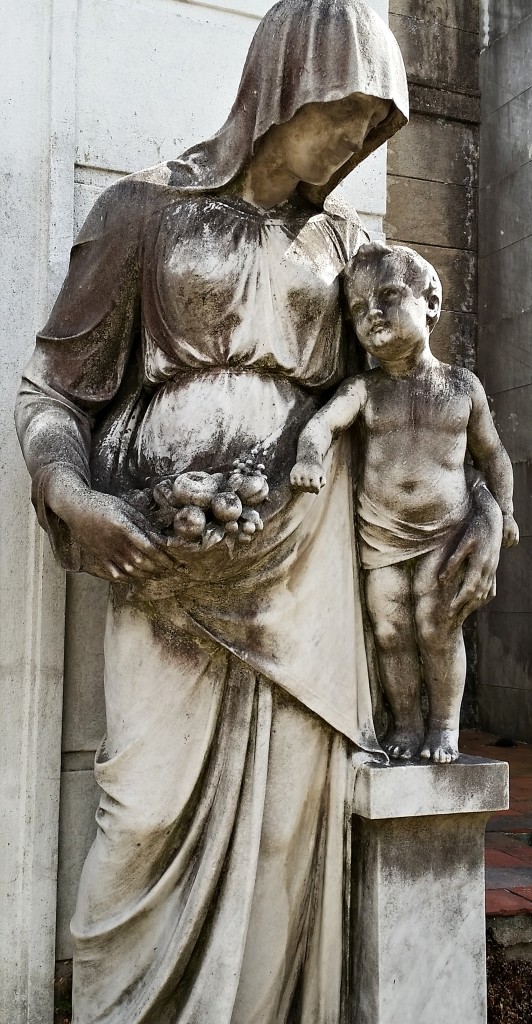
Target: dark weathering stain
x=412, y=848
x=205, y=312
x=305, y=309
x=171, y=638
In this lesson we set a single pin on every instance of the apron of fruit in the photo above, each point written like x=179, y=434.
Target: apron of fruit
x=215, y=451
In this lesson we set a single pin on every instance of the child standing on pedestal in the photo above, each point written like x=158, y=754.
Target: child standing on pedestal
x=419, y=417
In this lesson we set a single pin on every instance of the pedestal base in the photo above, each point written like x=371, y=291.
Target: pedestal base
x=418, y=890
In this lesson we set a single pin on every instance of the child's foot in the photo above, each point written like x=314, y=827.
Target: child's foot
x=403, y=743
x=440, y=746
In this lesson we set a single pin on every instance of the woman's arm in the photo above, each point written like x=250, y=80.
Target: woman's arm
x=55, y=438
x=473, y=563
x=76, y=370
x=117, y=538
x=492, y=460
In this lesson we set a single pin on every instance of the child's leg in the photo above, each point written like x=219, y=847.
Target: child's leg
x=441, y=645
x=390, y=609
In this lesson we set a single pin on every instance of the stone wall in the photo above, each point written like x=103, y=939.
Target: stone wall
x=433, y=189
x=499, y=16
x=505, y=347
x=36, y=230
x=432, y=166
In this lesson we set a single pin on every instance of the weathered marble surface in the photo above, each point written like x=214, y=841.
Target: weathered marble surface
x=202, y=736
x=417, y=418
x=472, y=785
x=418, y=890
x=199, y=344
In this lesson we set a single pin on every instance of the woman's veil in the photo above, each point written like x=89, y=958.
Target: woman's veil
x=304, y=51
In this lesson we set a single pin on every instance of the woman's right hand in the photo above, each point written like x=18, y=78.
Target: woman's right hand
x=118, y=541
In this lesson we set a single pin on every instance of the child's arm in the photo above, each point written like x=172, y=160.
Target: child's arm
x=316, y=438
x=492, y=459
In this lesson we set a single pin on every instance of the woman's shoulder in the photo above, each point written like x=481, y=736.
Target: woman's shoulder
x=129, y=202
x=134, y=203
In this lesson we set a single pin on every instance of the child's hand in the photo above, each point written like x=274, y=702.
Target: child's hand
x=308, y=476
x=510, y=531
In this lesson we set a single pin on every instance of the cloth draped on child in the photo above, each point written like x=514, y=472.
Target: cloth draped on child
x=384, y=539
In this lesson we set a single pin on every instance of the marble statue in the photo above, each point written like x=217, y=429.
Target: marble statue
x=198, y=331
x=418, y=418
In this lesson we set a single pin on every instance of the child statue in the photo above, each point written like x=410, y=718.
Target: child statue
x=419, y=417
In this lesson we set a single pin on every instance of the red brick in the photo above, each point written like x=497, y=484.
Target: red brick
x=505, y=903
x=512, y=847
x=499, y=859
x=525, y=893
x=521, y=788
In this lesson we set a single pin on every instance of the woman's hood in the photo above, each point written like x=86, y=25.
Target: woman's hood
x=304, y=51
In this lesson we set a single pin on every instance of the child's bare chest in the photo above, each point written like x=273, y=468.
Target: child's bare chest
x=407, y=408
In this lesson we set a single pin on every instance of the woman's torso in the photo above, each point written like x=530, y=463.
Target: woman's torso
x=241, y=328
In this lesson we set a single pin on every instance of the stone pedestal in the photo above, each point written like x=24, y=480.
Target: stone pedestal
x=418, y=890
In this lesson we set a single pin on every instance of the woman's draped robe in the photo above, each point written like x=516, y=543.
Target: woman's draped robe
x=193, y=329
x=212, y=891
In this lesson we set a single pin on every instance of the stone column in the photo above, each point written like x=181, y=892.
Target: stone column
x=418, y=890
x=36, y=191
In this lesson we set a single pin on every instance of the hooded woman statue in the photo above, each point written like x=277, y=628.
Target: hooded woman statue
x=200, y=325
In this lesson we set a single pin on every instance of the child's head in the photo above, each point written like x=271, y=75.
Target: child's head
x=394, y=296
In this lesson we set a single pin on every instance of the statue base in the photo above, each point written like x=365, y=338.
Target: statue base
x=419, y=932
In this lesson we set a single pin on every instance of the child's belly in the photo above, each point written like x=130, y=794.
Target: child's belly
x=435, y=495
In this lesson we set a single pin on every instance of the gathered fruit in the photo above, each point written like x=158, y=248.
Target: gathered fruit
x=204, y=508
x=163, y=493
x=253, y=489
x=250, y=515
x=196, y=488
x=235, y=479
x=226, y=507
x=190, y=522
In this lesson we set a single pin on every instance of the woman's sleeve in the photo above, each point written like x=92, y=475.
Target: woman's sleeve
x=350, y=235
x=82, y=352
x=348, y=227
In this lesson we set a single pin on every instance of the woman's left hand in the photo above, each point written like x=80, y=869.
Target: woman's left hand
x=476, y=556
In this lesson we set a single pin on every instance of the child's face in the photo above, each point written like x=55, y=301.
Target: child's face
x=389, y=317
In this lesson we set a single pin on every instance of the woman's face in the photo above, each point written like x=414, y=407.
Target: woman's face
x=322, y=137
